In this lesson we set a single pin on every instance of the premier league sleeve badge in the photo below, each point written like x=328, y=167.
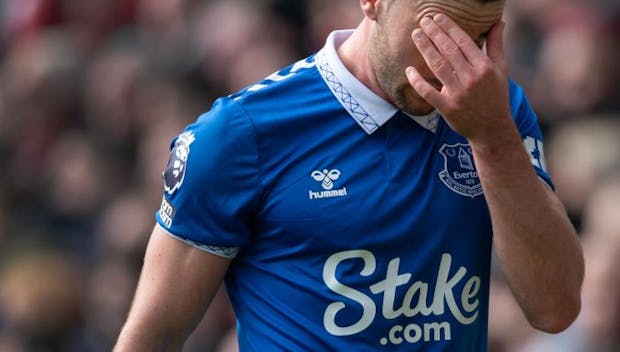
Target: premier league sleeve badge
x=175, y=170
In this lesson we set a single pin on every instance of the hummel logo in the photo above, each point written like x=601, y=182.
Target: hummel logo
x=327, y=178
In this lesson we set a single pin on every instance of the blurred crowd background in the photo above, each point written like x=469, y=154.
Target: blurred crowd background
x=92, y=92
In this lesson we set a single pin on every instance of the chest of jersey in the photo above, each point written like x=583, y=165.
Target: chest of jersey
x=387, y=234
x=400, y=188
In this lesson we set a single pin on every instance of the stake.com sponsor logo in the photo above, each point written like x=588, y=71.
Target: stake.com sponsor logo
x=464, y=307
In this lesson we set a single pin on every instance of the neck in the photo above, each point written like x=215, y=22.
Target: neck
x=355, y=56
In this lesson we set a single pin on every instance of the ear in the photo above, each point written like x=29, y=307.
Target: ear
x=369, y=8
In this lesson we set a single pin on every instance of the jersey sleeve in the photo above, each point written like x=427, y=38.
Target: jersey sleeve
x=211, y=181
x=527, y=123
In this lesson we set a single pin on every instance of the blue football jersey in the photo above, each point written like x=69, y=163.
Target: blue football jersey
x=352, y=225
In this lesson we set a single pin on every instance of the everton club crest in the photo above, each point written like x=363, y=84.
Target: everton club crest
x=175, y=171
x=459, y=172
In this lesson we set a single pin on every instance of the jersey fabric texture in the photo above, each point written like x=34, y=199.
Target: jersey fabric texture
x=352, y=225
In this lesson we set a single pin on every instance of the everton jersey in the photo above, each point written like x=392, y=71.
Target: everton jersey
x=351, y=225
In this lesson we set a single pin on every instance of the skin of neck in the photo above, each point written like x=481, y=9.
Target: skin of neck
x=354, y=54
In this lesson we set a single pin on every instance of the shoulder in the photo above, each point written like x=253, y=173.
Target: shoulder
x=226, y=117
x=285, y=87
x=221, y=139
x=517, y=94
x=520, y=107
x=286, y=100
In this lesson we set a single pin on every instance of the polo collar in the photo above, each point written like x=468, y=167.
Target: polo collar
x=369, y=110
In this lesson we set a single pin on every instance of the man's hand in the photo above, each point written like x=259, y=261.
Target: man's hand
x=474, y=99
x=535, y=242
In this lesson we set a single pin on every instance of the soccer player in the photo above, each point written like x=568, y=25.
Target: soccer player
x=350, y=201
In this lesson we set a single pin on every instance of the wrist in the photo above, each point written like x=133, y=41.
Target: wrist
x=501, y=143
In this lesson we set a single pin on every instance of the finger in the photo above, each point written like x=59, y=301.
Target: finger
x=495, y=44
x=424, y=89
x=436, y=62
x=468, y=47
x=447, y=47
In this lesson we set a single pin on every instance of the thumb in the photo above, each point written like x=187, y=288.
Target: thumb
x=495, y=44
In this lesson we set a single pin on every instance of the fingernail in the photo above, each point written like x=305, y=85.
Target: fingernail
x=417, y=34
x=425, y=22
x=439, y=18
x=409, y=71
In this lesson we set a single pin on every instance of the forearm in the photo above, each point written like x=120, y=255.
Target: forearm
x=534, y=241
x=153, y=323
x=134, y=338
x=176, y=286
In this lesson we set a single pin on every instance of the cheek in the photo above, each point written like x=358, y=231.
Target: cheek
x=396, y=50
x=409, y=55
x=405, y=53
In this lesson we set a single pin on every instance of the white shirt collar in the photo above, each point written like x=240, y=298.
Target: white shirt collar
x=368, y=109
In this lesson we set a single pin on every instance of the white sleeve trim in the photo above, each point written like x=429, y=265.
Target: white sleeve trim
x=224, y=252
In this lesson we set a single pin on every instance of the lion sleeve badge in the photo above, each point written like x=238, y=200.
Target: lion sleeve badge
x=175, y=170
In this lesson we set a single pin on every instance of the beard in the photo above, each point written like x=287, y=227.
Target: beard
x=390, y=75
x=408, y=100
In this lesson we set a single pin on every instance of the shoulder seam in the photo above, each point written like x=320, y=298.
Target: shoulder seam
x=259, y=169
